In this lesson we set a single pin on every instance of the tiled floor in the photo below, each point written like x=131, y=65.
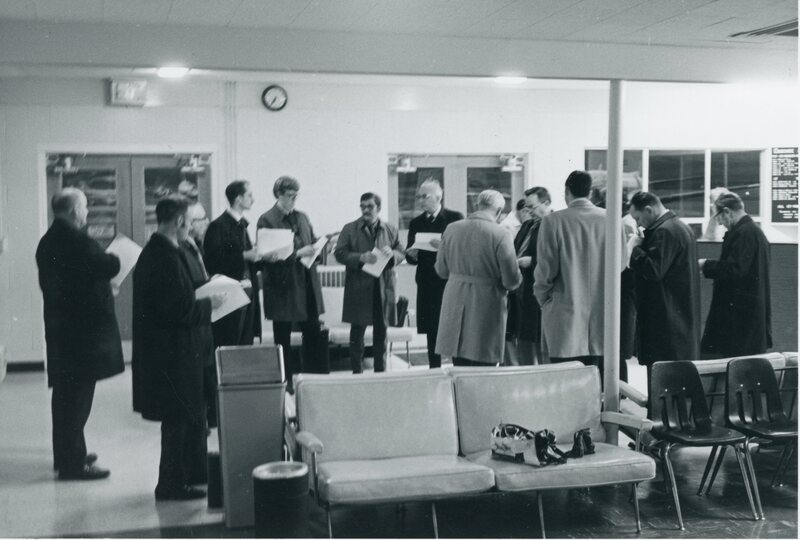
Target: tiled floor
x=33, y=504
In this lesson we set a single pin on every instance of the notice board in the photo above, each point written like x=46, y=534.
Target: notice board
x=784, y=185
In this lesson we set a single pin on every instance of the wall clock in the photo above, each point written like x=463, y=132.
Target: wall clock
x=274, y=97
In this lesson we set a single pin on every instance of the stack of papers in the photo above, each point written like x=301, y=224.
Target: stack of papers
x=318, y=247
x=275, y=242
x=423, y=241
x=234, y=295
x=375, y=269
x=127, y=251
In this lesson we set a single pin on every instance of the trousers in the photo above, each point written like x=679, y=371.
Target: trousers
x=71, y=404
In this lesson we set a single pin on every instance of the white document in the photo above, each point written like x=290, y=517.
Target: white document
x=235, y=297
x=375, y=269
x=278, y=242
x=128, y=253
x=423, y=241
x=319, y=245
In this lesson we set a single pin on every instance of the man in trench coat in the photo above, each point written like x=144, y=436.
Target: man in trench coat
x=739, y=321
x=81, y=332
x=478, y=260
x=368, y=300
x=430, y=287
x=667, y=276
x=169, y=326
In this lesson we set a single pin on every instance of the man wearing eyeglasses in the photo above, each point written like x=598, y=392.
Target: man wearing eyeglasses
x=739, y=320
x=430, y=287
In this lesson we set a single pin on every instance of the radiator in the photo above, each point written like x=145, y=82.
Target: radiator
x=331, y=276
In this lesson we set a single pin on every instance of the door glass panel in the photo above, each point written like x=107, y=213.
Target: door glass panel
x=596, y=162
x=677, y=177
x=407, y=184
x=482, y=178
x=161, y=182
x=740, y=173
x=100, y=188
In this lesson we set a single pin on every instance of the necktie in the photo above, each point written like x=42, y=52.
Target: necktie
x=430, y=218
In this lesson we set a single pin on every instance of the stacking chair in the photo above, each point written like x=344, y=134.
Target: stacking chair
x=753, y=406
x=678, y=409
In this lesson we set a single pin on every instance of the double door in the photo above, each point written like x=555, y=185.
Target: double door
x=122, y=192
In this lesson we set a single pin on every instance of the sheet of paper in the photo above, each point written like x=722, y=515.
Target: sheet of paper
x=128, y=253
x=423, y=241
x=375, y=269
x=278, y=242
x=319, y=245
x=235, y=297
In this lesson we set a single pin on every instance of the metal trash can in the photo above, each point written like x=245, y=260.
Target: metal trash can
x=280, y=492
x=214, y=481
x=250, y=397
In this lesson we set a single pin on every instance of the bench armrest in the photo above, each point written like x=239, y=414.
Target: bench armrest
x=307, y=440
x=632, y=393
x=627, y=420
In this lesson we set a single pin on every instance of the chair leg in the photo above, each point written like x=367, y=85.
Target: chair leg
x=746, y=478
x=408, y=356
x=671, y=473
x=435, y=522
x=330, y=526
x=710, y=461
x=636, y=507
x=716, y=468
x=753, y=479
x=778, y=468
x=541, y=511
x=787, y=461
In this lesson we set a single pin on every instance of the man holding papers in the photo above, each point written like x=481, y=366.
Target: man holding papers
x=292, y=292
x=230, y=252
x=424, y=236
x=168, y=351
x=369, y=249
x=83, y=343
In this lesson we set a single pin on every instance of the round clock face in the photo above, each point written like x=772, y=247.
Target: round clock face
x=274, y=97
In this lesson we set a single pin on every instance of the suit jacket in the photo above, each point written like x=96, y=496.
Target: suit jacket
x=224, y=243
x=740, y=319
x=569, y=279
x=168, y=344
x=354, y=240
x=80, y=325
x=288, y=284
x=192, y=256
x=478, y=260
x=430, y=287
x=667, y=292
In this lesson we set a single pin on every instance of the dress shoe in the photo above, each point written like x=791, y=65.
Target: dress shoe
x=91, y=457
x=184, y=493
x=88, y=472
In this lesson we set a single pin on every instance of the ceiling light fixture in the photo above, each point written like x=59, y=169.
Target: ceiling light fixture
x=510, y=80
x=172, y=72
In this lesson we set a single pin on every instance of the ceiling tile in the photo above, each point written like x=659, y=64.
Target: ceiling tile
x=14, y=9
x=340, y=15
x=267, y=13
x=202, y=12
x=136, y=12
x=69, y=10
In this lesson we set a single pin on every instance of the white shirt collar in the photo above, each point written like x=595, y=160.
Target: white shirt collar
x=234, y=214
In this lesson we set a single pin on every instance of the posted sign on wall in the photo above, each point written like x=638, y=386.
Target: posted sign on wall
x=784, y=185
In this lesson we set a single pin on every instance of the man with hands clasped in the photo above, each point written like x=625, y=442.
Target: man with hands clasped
x=368, y=300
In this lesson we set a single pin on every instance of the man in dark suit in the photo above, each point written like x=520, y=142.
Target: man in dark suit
x=229, y=251
x=739, y=320
x=168, y=350
x=368, y=300
x=83, y=342
x=430, y=287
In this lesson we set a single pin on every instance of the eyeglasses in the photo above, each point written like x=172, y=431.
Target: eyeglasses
x=534, y=207
x=289, y=194
x=420, y=196
x=200, y=219
x=720, y=211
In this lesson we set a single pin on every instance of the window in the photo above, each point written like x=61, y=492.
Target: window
x=739, y=171
x=678, y=178
x=597, y=167
x=407, y=184
x=482, y=178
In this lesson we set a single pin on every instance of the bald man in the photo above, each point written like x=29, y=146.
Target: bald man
x=81, y=332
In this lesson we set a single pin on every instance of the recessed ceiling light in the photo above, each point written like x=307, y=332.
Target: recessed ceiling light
x=172, y=72
x=510, y=80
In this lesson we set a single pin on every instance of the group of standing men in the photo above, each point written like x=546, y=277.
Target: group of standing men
x=554, y=265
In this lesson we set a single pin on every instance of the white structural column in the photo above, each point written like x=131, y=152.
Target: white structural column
x=614, y=250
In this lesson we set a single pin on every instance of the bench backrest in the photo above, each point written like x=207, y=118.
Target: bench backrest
x=375, y=416
x=560, y=398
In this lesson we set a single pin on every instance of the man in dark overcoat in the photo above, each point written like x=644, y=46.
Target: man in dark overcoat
x=81, y=332
x=368, y=300
x=430, y=287
x=667, y=278
x=168, y=349
x=292, y=292
x=739, y=320
x=229, y=251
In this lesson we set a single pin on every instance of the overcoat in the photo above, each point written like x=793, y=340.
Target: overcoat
x=739, y=320
x=168, y=345
x=667, y=292
x=526, y=322
x=193, y=256
x=569, y=279
x=430, y=287
x=80, y=325
x=354, y=240
x=478, y=261
x=287, y=283
x=224, y=243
